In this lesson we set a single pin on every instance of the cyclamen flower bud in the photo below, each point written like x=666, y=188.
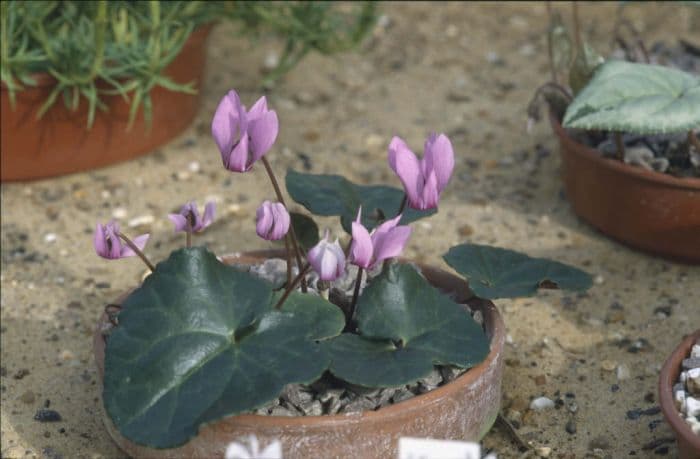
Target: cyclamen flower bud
x=243, y=137
x=424, y=179
x=188, y=219
x=386, y=241
x=272, y=221
x=327, y=259
x=108, y=245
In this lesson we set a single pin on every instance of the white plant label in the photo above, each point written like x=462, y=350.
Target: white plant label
x=428, y=448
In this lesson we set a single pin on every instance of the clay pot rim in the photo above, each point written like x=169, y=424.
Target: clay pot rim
x=45, y=79
x=591, y=154
x=667, y=378
x=492, y=319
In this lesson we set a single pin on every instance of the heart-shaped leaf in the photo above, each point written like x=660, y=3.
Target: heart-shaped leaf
x=306, y=230
x=200, y=340
x=638, y=98
x=334, y=195
x=500, y=273
x=406, y=327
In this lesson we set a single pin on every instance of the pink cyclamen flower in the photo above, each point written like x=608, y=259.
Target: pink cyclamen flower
x=386, y=241
x=327, y=259
x=108, y=245
x=243, y=137
x=424, y=179
x=272, y=221
x=189, y=221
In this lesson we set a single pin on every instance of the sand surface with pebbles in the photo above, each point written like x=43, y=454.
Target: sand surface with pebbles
x=465, y=69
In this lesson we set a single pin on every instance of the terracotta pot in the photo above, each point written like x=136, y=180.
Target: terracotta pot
x=688, y=442
x=60, y=142
x=651, y=211
x=464, y=409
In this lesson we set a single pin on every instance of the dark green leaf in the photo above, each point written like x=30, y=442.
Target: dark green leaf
x=500, y=273
x=200, y=340
x=306, y=230
x=407, y=326
x=334, y=195
x=640, y=98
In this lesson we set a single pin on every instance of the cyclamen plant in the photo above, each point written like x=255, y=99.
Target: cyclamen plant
x=200, y=340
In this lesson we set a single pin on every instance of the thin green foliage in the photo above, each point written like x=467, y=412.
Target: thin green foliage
x=119, y=47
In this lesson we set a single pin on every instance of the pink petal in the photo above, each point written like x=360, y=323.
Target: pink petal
x=442, y=159
x=431, y=194
x=362, y=249
x=238, y=160
x=263, y=225
x=209, y=211
x=114, y=244
x=391, y=243
x=225, y=121
x=139, y=241
x=328, y=265
x=99, y=242
x=263, y=133
x=180, y=222
x=385, y=228
x=281, y=221
x=258, y=109
x=407, y=167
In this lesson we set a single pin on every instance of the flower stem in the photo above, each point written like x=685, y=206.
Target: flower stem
x=289, y=259
x=189, y=239
x=292, y=286
x=355, y=295
x=292, y=233
x=693, y=140
x=137, y=251
x=404, y=201
x=620, y=146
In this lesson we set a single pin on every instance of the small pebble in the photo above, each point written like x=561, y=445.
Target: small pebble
x=46, y=415
x=608, y=365
x=571, y=427
x=541, y=403
x=119, y=213
x=623, y=372
x=50, y=237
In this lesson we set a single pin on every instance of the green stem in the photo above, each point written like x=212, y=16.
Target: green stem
x=137, y=251
x=355, y=295
x=292, y=286
x=189, y=239
x=292, y=233
x=693, y=140
x=620, y=146
x=289, y=259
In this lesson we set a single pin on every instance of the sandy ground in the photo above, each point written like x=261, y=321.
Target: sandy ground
x=464, y=69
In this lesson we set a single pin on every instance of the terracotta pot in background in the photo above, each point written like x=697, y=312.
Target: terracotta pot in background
x=60, y=142
x=464, y=409
x=688, y=442
x=651, y=211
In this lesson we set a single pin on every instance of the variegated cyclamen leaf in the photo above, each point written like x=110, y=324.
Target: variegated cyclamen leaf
x=638, y=98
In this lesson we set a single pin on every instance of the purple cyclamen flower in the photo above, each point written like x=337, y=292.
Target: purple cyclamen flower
x=386, y=241
x=108, y=245
x=243, y=137
x=272, y=221
x=424, y=179
x=189, y=221
x=327, y=259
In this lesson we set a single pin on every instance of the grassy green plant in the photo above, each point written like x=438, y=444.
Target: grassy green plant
x=103, y=47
